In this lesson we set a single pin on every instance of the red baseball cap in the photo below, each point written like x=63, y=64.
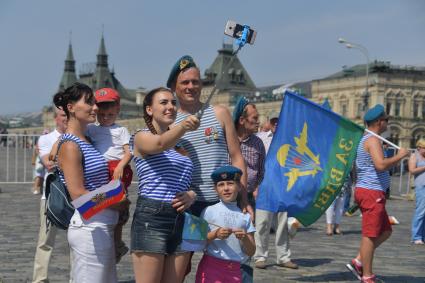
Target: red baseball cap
x=106, y=95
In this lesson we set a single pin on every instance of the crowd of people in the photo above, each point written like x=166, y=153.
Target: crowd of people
x=210, y=165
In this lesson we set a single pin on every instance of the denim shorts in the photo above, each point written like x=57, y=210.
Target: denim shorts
x=156, y=227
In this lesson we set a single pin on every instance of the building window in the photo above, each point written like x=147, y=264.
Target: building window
x=397, y=109
x=388, y=108
x=415, y=109
x=344, y=109
x=359, y=109
x=394, y=138
x=416, y=136
x=423, y=111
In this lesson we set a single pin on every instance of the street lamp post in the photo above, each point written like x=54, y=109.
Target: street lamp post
x=364, y=51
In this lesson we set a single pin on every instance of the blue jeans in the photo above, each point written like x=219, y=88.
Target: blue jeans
x=418, y=222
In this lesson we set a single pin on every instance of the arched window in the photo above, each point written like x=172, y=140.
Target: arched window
x=397, y=108
x=417, y=134
x=394, y=135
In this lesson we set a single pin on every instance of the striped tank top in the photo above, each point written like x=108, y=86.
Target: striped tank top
x=207, y=149
x=367, y=175
x=162, y=175
x=95, y=168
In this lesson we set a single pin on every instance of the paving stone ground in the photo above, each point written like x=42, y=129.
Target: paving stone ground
x=321, y=258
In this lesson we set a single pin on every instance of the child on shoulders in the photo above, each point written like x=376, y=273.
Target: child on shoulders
x=231, y=232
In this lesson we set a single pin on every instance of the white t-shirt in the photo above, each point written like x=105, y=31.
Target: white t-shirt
x=227, y=215
x=109, y=141
x=266, y=137
x=45, y=144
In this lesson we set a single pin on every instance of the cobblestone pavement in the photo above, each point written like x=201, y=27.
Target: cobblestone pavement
x=321, y=258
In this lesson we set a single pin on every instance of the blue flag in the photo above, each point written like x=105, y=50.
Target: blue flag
x=195, y=231
x=309, y=158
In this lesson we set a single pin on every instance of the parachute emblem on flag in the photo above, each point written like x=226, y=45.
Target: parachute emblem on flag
x=299, y=159
x=99, y=198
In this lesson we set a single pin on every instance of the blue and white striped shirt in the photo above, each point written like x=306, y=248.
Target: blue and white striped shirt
x=95, y=167
x=208, y=151
x=162, y=175
x=367, y=175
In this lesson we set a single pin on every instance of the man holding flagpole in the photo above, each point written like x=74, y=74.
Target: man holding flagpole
x=373, y=179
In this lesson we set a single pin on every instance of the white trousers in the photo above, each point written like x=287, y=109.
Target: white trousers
x=92, y=252
x=335, y=210
x=263, y=222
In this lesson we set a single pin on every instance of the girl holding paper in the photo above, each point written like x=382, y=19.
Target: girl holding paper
x=83, y=169
x=164, y=178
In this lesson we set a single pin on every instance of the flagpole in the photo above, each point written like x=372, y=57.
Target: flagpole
x=382, y=139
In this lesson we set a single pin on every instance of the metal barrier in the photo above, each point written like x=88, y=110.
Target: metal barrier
x=16, y=153
x=404, y=176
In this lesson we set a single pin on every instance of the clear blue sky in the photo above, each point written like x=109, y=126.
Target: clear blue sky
x=296, y=41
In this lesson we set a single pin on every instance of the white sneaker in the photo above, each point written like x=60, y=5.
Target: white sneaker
x=293, y=225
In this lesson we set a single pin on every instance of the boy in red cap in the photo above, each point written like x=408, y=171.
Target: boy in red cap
x=111, y=140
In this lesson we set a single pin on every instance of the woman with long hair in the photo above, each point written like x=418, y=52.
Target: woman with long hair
x=82, y=169
x=164, y=178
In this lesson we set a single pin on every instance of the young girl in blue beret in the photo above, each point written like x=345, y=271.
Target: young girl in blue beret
x=231, y=232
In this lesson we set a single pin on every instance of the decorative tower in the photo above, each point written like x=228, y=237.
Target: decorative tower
x=229, y=76
x=69, y=77
x=102, y=77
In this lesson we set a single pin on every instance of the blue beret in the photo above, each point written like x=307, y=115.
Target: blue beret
x=326, y=104
x=185, y=62
x=374, y=113
x=226, y=173
x=239, y=108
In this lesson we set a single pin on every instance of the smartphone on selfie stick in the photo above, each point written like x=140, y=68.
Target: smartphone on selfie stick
x=240, y=32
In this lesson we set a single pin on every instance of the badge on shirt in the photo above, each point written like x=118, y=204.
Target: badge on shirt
x=211, y=134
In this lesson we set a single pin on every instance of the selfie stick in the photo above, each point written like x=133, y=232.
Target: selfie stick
x=241, y=41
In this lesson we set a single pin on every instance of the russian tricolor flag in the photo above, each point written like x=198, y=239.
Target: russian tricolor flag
x=95, y=201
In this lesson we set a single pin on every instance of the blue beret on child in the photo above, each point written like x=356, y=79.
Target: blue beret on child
x=374, y=113
x=239, y=108
x=185, y=62
x=226, y=173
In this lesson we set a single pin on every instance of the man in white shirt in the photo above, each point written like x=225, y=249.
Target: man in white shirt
x=267, y=137
x=46, y=237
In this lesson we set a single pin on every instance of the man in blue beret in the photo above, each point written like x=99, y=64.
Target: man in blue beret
x=373, y=180
x=211, y=145
x=246, y=120
x=213, y=142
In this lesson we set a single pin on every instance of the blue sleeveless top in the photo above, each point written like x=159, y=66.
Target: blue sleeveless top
x=367, y=175
x=420, y=162
x=207, y=149
x=162, y=175
x=95, y=167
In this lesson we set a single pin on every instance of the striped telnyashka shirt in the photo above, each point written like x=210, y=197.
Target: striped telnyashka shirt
x=208, y=151
x=95, y=167
x=367, y=175
x=162, y=175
